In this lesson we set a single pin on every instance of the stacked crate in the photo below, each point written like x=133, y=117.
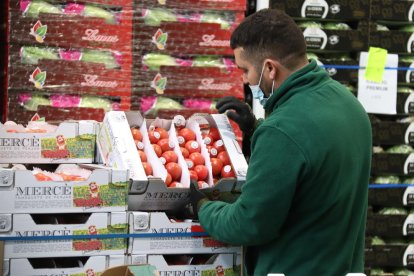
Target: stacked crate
x=39, y=204
x=68, y=60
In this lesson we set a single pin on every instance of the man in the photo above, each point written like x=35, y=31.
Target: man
x=302, y=209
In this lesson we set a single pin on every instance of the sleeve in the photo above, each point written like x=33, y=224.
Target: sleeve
x=275, y=167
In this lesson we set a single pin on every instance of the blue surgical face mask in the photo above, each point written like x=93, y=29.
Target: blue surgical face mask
x=258, y=92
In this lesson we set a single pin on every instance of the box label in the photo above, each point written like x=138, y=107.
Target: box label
x=315, y=38
x=408, y=227
x=408, y=258
x=409, y=103
x=408, y=197
x=410, y=44
x=409, y=164
x=409, y=76
x=315, y=9
x=410, y=13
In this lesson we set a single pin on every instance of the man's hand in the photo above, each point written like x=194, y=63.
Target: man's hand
x=197, y=198
x=240, y=112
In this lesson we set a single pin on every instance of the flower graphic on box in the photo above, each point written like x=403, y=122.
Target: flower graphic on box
x=95, y=195
x=159, y=83
x=39, y=31
x=160, y=39
x=38, y=78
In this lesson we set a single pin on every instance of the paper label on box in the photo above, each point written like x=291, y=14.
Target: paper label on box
x=410, y=44
x=409, y=76
x=409, y=134
x=314, y=8
x=408, y=227
x=410, y=13
x=408, y=197
x=409, y=164
x=315, y=38
x=408, y=258
x=378, y=98
x=409, y=103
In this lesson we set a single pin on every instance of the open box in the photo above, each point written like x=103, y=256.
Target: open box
x=49, y=225
x=104, y=191
x=71, y=142
x=93, y=265
x=160, y=223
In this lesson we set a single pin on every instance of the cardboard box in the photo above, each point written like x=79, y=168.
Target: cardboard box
x=93, y=265
x=21, y=192
x=392, y=133
x=390, y=255
x=405, y=76
x=405, y=103
x=393, y=10
x=49, y=225
x=390, y=225
x=217, y=264
x=228, y=5
x=391, y=196
x=159, y=223
x=335, y=40
x=397, y=42
x=131, y=270
x=392, y=163
x=326, y=9
x=78, y=144
x=340, y=74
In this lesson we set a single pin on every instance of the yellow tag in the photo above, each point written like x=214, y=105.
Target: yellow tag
x=377, y=57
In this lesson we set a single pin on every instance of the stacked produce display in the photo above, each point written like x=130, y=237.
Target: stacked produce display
x=68, y=57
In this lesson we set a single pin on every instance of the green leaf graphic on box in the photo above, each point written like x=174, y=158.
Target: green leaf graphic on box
x=162, y=39
x=41, y=31
x=41, y=77
x=162, y=83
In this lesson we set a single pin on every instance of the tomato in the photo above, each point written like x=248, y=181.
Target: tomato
x=175, y=184
x=42, y=177
x=208, y=139
x=165, y=144
x=215, y=134
x=154, y=136
x=168, y=156
x=168, y=179
x=224, y=157
x=190, y=163
x=219, y=145
x=185, y=152
x=187, y=134
x=227, y=171
x=181, y=140
x=197, y=158
x=202, y=184
x=163, y=133
x=201, y=171
x=142, y=156
x=193, y=175
x=174, y=169
x=192, y=146
x=136, y=134
x=216, y=165
x=212, y=151
x=140, y=145
x=157, y=149
x=147, y=168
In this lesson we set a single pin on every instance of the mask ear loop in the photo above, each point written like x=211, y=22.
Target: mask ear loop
x=273, y=87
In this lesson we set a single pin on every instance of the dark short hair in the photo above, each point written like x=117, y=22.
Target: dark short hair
x=270, y=33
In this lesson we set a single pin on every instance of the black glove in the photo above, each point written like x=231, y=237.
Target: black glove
x=196, y=198
x=242, y=113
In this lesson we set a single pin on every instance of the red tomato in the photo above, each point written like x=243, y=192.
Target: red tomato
x=157, y=149
x=168, y=179
x=147, y=168
x=212, y=151
x=165, y=144
x=175, y=184
x=219, y=145
x=140, y=145
x=181, y=140
x=142, y=156
x=215, y=134
x=197, y=158
x=201, y=171
x=174, y=169
x=216, y=165
x=163, y=133
x=227, y=171
x=192, y=146
x=193, y=175
x=154, y=136
x=185, y=152
x=208, y=139
x=136, y=134
x=224, y=157
x=190, y=163
x=187, y=134
x=168, y=156
x=202, y=184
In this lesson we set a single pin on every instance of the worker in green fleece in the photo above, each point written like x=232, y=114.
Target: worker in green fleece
x=302, y=209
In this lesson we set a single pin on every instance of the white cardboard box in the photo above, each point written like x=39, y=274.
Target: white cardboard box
x=218, y=264
x=21, y=192
x=159, y=223
x=47, y=225
x=72, y=142
x=93, y=266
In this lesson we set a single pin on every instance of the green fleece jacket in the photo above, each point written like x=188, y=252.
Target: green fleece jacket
x=302, y=210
